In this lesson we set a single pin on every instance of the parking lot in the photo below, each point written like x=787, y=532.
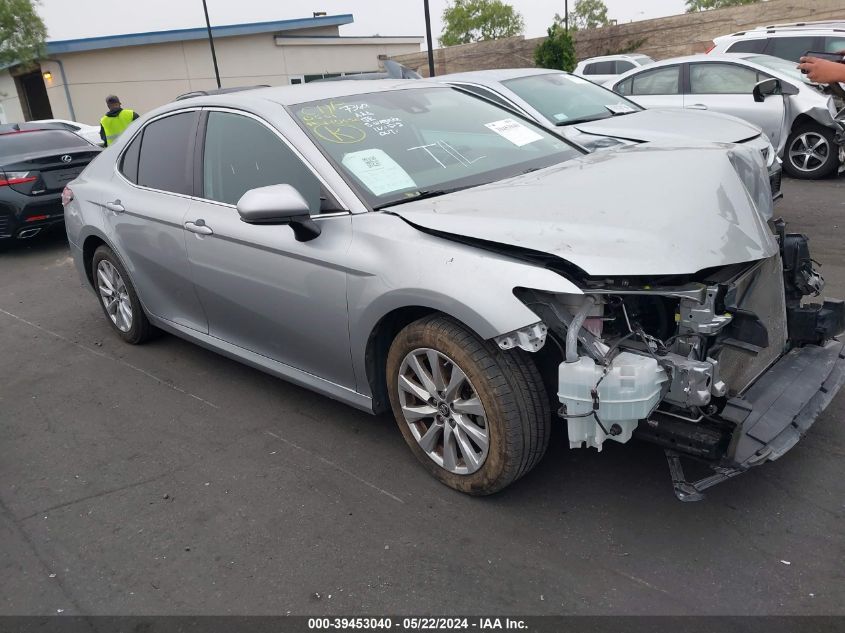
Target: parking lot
x=164, y=479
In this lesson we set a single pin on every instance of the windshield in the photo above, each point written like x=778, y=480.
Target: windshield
x=394, y=146
x=565, y=99
x=779, y=65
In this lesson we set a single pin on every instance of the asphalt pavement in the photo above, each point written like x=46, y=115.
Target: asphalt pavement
x=164, y=479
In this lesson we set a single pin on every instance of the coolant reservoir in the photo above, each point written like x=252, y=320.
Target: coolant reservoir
x=628, y=393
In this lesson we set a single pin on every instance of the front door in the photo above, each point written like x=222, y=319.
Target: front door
x=727, y=88
x=262, y=289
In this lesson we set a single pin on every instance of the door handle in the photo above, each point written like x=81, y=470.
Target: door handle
x=697, y=106
x=199, y=227
x=115, y=206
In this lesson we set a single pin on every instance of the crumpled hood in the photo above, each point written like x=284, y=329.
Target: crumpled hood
x=637, y=210
x=673, y=124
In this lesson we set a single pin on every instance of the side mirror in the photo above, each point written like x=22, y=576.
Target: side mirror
x=770, y=87
x=279, y=204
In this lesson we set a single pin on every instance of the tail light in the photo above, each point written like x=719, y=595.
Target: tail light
x=710, y=48
x=15, y=178
x=67, y=196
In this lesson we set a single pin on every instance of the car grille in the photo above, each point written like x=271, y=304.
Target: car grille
x=759, y=291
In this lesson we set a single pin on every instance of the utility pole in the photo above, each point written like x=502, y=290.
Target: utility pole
x=565, y=14
x=428, y=38
x=211, y=43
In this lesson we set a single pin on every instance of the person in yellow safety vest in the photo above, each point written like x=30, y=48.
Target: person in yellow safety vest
x=115, y=121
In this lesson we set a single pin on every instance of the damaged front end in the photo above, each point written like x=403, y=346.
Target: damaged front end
x=729, y=367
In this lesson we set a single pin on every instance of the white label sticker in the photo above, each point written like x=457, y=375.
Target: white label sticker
x=514, y=131
x=620, y=108
x=378, y=171
x=576, y=80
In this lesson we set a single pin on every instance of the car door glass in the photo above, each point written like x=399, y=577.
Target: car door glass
x=165, y=162
x=129, y=162
x=242, y=154
x=834, y=44
x=623, y=66
x=747, y=46
x=713, y=79
x=791, y=48
x=660, y=81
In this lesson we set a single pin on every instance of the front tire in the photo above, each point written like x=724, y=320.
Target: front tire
x=476, y=417
x=811, y=152
x=118, y=298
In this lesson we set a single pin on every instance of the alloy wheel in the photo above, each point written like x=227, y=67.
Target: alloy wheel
x=809, y=151
x=443, y=411
x=114, y=295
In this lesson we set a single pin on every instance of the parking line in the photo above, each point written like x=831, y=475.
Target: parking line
x=104, y=355
x=335, y=466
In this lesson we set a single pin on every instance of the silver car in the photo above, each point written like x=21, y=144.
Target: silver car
x=598, y=118
x=801, y=119
x=406, y=247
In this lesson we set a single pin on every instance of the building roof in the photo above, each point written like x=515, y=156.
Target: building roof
x=182, y=35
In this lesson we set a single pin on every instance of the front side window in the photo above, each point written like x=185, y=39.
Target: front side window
x=395, y=145
x=713, y=79
x=660, y=81
x=166, y=154
x=242, y=154
x=565, y=99
x=834, y=44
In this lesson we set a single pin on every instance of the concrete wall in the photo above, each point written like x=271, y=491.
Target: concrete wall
x=145, y=77
x=10, y=104
x=664, y=37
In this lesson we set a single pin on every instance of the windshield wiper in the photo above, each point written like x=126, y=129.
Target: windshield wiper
x=422, y=195
x=583, y=119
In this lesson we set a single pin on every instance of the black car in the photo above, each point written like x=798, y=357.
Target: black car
x=35, y=166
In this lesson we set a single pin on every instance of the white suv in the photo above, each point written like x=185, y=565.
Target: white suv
x=787, y=41
x=602, y=69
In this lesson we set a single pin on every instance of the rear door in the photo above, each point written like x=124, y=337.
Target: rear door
x=727, y=88
x=144, y=206
x=262, y=289
x=654, y=87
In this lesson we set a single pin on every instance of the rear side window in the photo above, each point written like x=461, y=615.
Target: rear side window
x=243, y=154
x=623, y=66
x=165, y=161
x=39, y=141
x=129, y=162
x=747, y=46
x=792, y=48
x=834, y=44
x=660, y=81
x=715, y=79
x=600, y=68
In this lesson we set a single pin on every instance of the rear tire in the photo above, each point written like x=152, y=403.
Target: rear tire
x=118, y=298
x=811, y=152
x=494, y=397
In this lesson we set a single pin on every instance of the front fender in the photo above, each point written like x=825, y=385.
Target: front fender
x=398, y=266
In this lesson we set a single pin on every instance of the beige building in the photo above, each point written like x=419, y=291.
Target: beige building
x=148, y=69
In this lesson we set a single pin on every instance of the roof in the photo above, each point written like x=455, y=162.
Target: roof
x=313, y=91
x=199, y=33
x=496, y=74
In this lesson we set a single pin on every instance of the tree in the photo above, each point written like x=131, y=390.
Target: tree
x=22, y=32
x=589, y=14
x=477, y=20
x=557, y=51
x=706, y=5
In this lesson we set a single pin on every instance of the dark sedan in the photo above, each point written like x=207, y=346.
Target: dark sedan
x=35, y=165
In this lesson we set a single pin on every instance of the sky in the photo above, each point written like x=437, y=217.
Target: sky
x=71, y=19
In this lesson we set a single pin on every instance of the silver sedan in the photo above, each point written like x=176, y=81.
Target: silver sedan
x=406, y=247
x=802, y=121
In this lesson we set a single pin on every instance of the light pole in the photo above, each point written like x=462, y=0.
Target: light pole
x=428, y=39
x=211, y=43
x=565, y=14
